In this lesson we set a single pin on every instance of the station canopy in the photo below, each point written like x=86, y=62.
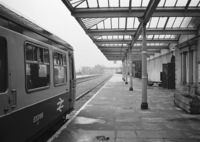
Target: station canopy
x=114, y=25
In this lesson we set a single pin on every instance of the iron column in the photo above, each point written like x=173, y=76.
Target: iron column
x=126, y=71
x=123, y=71
x=144, y=104
x=131, y=71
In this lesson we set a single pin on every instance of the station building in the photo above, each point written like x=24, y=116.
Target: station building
x=180, y=64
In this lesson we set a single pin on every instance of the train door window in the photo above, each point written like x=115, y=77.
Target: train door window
x=72, y=68
x=29, y=53
x=60, y=68
x=37, y=67
x=46, y=56
x=3, y=65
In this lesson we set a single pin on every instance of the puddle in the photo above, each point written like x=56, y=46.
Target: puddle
x=75, y=136
x=184, y=120
x=102, y=138
x=85, y=120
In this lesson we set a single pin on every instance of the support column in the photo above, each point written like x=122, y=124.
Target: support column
x=131, y=71
x=190, y=58
x=123, y=71
x=182, y=67
x=126, y=71
x=144, y=104
x=197, y=64
x=183, y=70
x=195, y=77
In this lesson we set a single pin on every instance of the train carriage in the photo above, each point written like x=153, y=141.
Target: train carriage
x=37, y=78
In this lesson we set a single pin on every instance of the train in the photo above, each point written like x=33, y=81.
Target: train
x=37, y=78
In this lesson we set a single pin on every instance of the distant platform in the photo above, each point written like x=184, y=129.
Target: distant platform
x=81, y=76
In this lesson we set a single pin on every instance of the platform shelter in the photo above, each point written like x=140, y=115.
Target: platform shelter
x=161, y=34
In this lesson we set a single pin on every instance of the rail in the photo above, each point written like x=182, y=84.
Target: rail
x=86, y=92
x=86, y=78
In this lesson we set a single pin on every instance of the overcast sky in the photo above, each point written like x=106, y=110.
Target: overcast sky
x=53, y=16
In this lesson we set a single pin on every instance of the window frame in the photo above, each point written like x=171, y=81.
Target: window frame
x=65, y=67
x=36, y=62
x=6, y=66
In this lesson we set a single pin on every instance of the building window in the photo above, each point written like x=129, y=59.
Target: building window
x=37, y=67
x=3, y=66
x=60, y=68
x=188, y=63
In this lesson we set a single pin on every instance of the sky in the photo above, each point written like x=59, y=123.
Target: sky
x=53, y=16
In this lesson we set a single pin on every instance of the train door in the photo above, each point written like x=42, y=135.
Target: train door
x=3, y=66
x=3, y=85
x=3, y=76
x=72, y=80
x=7, y=97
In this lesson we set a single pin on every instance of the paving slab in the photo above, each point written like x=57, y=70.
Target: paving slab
x=114, y=115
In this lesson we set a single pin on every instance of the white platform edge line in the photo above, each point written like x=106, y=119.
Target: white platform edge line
x=67, y=123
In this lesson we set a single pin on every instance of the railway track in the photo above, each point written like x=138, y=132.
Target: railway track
x=86, y=78
x=85, y=90
x=84, y=95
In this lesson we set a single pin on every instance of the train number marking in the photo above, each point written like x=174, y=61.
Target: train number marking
x=36, y=118
x=60, y=105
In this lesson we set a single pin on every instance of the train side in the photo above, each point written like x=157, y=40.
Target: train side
x=37, y=84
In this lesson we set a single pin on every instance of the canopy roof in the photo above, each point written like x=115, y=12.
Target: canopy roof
x=114, y=27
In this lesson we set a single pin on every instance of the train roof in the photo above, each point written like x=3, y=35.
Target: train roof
x=20, y=20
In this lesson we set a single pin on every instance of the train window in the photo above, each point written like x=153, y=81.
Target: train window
x=29, y=53
x=64, y=60
x=37, y=67
x=46, y=56
x=34, y=53
x=40, y=55
x=72, y=67
x=55, y=59
x=3, y=65
x=60, y=68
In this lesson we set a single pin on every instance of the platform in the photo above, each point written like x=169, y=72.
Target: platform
x=114, y=115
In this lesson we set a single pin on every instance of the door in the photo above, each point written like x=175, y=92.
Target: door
x=3, y=66
x=171, y=75
x=168, y=76
x=72, y=77
x=165, y=76
x=7, y=96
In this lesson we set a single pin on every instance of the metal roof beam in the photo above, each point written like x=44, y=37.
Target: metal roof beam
x=144, y=19
x=68, y=5
x=135, y=47
x=152, y=31
x=138, y=41
x=135, y=12
x=111, y=57
x=133, y=52
x=122, y=55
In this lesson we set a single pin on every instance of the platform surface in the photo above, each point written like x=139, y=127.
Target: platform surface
x=114, y=115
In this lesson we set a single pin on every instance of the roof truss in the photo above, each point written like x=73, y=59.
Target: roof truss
x=115, y=26
x=136, y=12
